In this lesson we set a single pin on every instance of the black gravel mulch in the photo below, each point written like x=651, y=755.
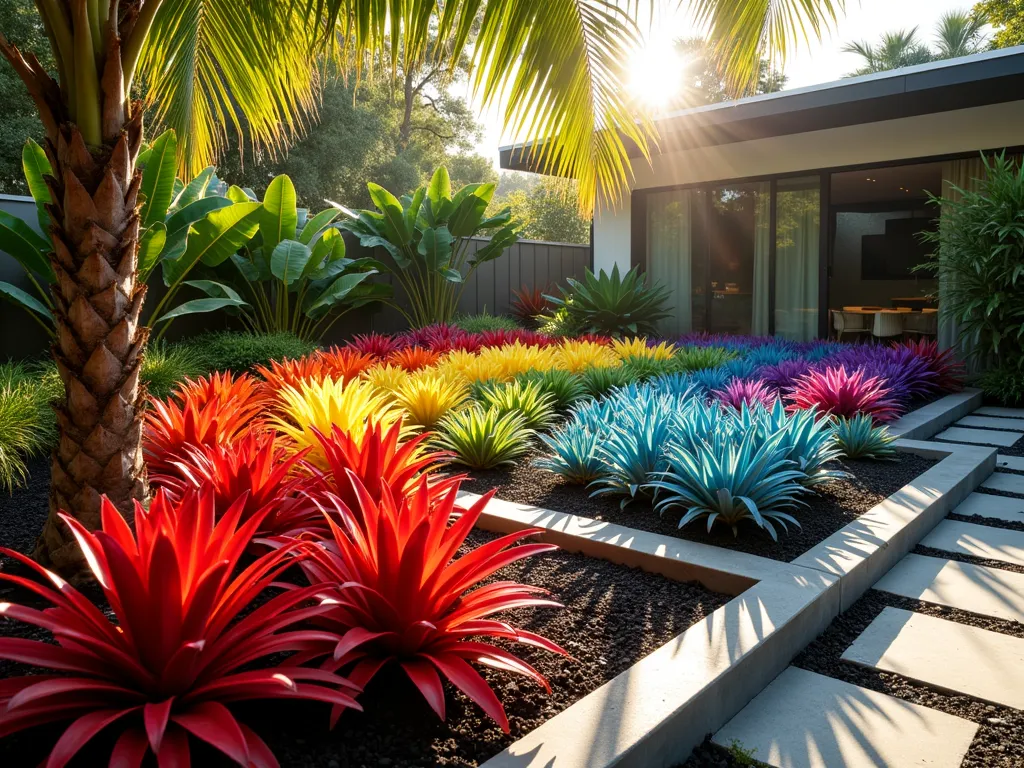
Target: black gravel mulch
x=613, y=617
x=835, y=504
x=999, y=742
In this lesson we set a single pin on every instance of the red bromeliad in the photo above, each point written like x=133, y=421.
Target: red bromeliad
x=949, y=371
x=260, y=468
x=528, y=303
x=414, y=358
x=179, y=651
x=400, y=597
x=378, y=459
x=293, y=372
x=838, y=393
x=200, y=413
x=377, y=345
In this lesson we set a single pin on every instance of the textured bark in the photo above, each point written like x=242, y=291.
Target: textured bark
x=97, y=302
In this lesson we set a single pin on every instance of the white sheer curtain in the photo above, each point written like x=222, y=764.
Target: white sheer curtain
x=668, y=255
x=762, y=255
x=797, y=241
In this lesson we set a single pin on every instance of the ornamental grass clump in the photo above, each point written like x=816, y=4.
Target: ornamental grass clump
x=638, y=346
x=483, y=438
x=860, y=438
x=27, y=426
x=529, y=400
x=598, y=380
x=427, y=397
x=700, y=358
x=401, y=597
x=565, y=388
x=728, y=479
x=181, y=646
x=835, y=392
x=576, y=356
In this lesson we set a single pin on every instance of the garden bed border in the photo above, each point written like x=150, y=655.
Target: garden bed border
x=654, y=713
x=928, y=420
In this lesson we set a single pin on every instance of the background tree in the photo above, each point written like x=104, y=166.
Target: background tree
x=958, y=33
x=1007, y=16
x=546, y=208
x=20, y=22
x=705, y=80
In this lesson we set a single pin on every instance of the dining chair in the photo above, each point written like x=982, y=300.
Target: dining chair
x=887, y=324
x=849, y=322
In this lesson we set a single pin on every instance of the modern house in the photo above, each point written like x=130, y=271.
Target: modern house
x=771, y=214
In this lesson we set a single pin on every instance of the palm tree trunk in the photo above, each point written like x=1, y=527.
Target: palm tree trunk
x=97, y=301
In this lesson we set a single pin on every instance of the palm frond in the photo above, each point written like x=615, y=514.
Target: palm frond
x=211, y=64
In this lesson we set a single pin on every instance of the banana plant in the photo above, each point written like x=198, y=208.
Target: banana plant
x=294, y=270
x=428, y=236
x=180, y=225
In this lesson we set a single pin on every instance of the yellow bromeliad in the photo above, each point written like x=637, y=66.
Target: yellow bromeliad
x=429, y=395
x=323, y=405
x=637, y=347
x=576, y=356
x=386, y=378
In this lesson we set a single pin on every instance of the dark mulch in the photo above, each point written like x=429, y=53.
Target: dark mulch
x=22, y=513
x=1010, y=525
x=835, y=505
x=999, y=742
x=960, y=557
x=613, y=617
x=1017, y=449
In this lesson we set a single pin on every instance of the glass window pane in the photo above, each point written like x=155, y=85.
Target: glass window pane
x=740, y=245
x=797, y=230
x=669, y=255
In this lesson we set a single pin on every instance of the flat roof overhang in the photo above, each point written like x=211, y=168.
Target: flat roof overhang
x=993, y=77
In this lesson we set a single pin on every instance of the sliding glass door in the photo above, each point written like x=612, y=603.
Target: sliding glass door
x=714, y=249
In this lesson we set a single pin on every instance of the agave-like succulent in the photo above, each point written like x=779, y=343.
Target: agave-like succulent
x=708, y=380
x=426, y=399
x=612, y=304
x=213, y=411
x=483, y=438
x=400, y=598
x=529, y=400
x=321, y=406
x=564, y=387
x=183, y=647
x=835, y=392
x=859, y=438
x=807, y=440
x=725, y=480
x=740, y=392
x=572, y=453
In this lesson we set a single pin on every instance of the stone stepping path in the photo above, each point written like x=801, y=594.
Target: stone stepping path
x=974, y=588
x=995, y=507
x=1005, y=413
x=1014, y=463
x=1001, y=481
x=972, y=436
x=990, y=422
x=978, y=541
x=944, y=654
x=806, y=720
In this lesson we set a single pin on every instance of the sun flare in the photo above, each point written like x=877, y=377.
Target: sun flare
x=654, y=74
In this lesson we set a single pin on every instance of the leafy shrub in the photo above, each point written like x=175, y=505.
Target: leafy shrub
x=699, y=358
x=558, y=322
x=529, y=400
x=241, y=352
x=1003, y=385
x=319, y=407
x=859, y=438
x=164, y=366
x=180, y=646
x=528, y=304
x=209, y=411
x=426, y=399
x=740, y=392
x=612, y=304
x=728, y=481
x=483, y=438
x=572, y=453
x=564, y=387
x=838, y=393
x=399, y=597
x=598, y=381
x=485, y=322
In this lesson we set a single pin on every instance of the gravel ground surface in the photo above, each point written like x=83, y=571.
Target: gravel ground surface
x=836, y=504
x=613, y=617
x=1010, y=525
x=962, y=558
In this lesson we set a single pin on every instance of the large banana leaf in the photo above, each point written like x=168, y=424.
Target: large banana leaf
x=279, y=218
x=215, y=238
x=27, y=247
x=15, y=295
x=36, y=166
x=158, y=178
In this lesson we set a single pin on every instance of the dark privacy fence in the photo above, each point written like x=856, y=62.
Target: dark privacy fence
x=528, y=263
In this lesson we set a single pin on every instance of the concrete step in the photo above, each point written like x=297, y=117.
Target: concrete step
x=995, y=507
x=990, y=422
x=1014, y=463
x=977, y=540
x=1003, y=481
x=944, y=654
x=1006, y=413
x=980, y=436
x=806, y=720
x=974, y=588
